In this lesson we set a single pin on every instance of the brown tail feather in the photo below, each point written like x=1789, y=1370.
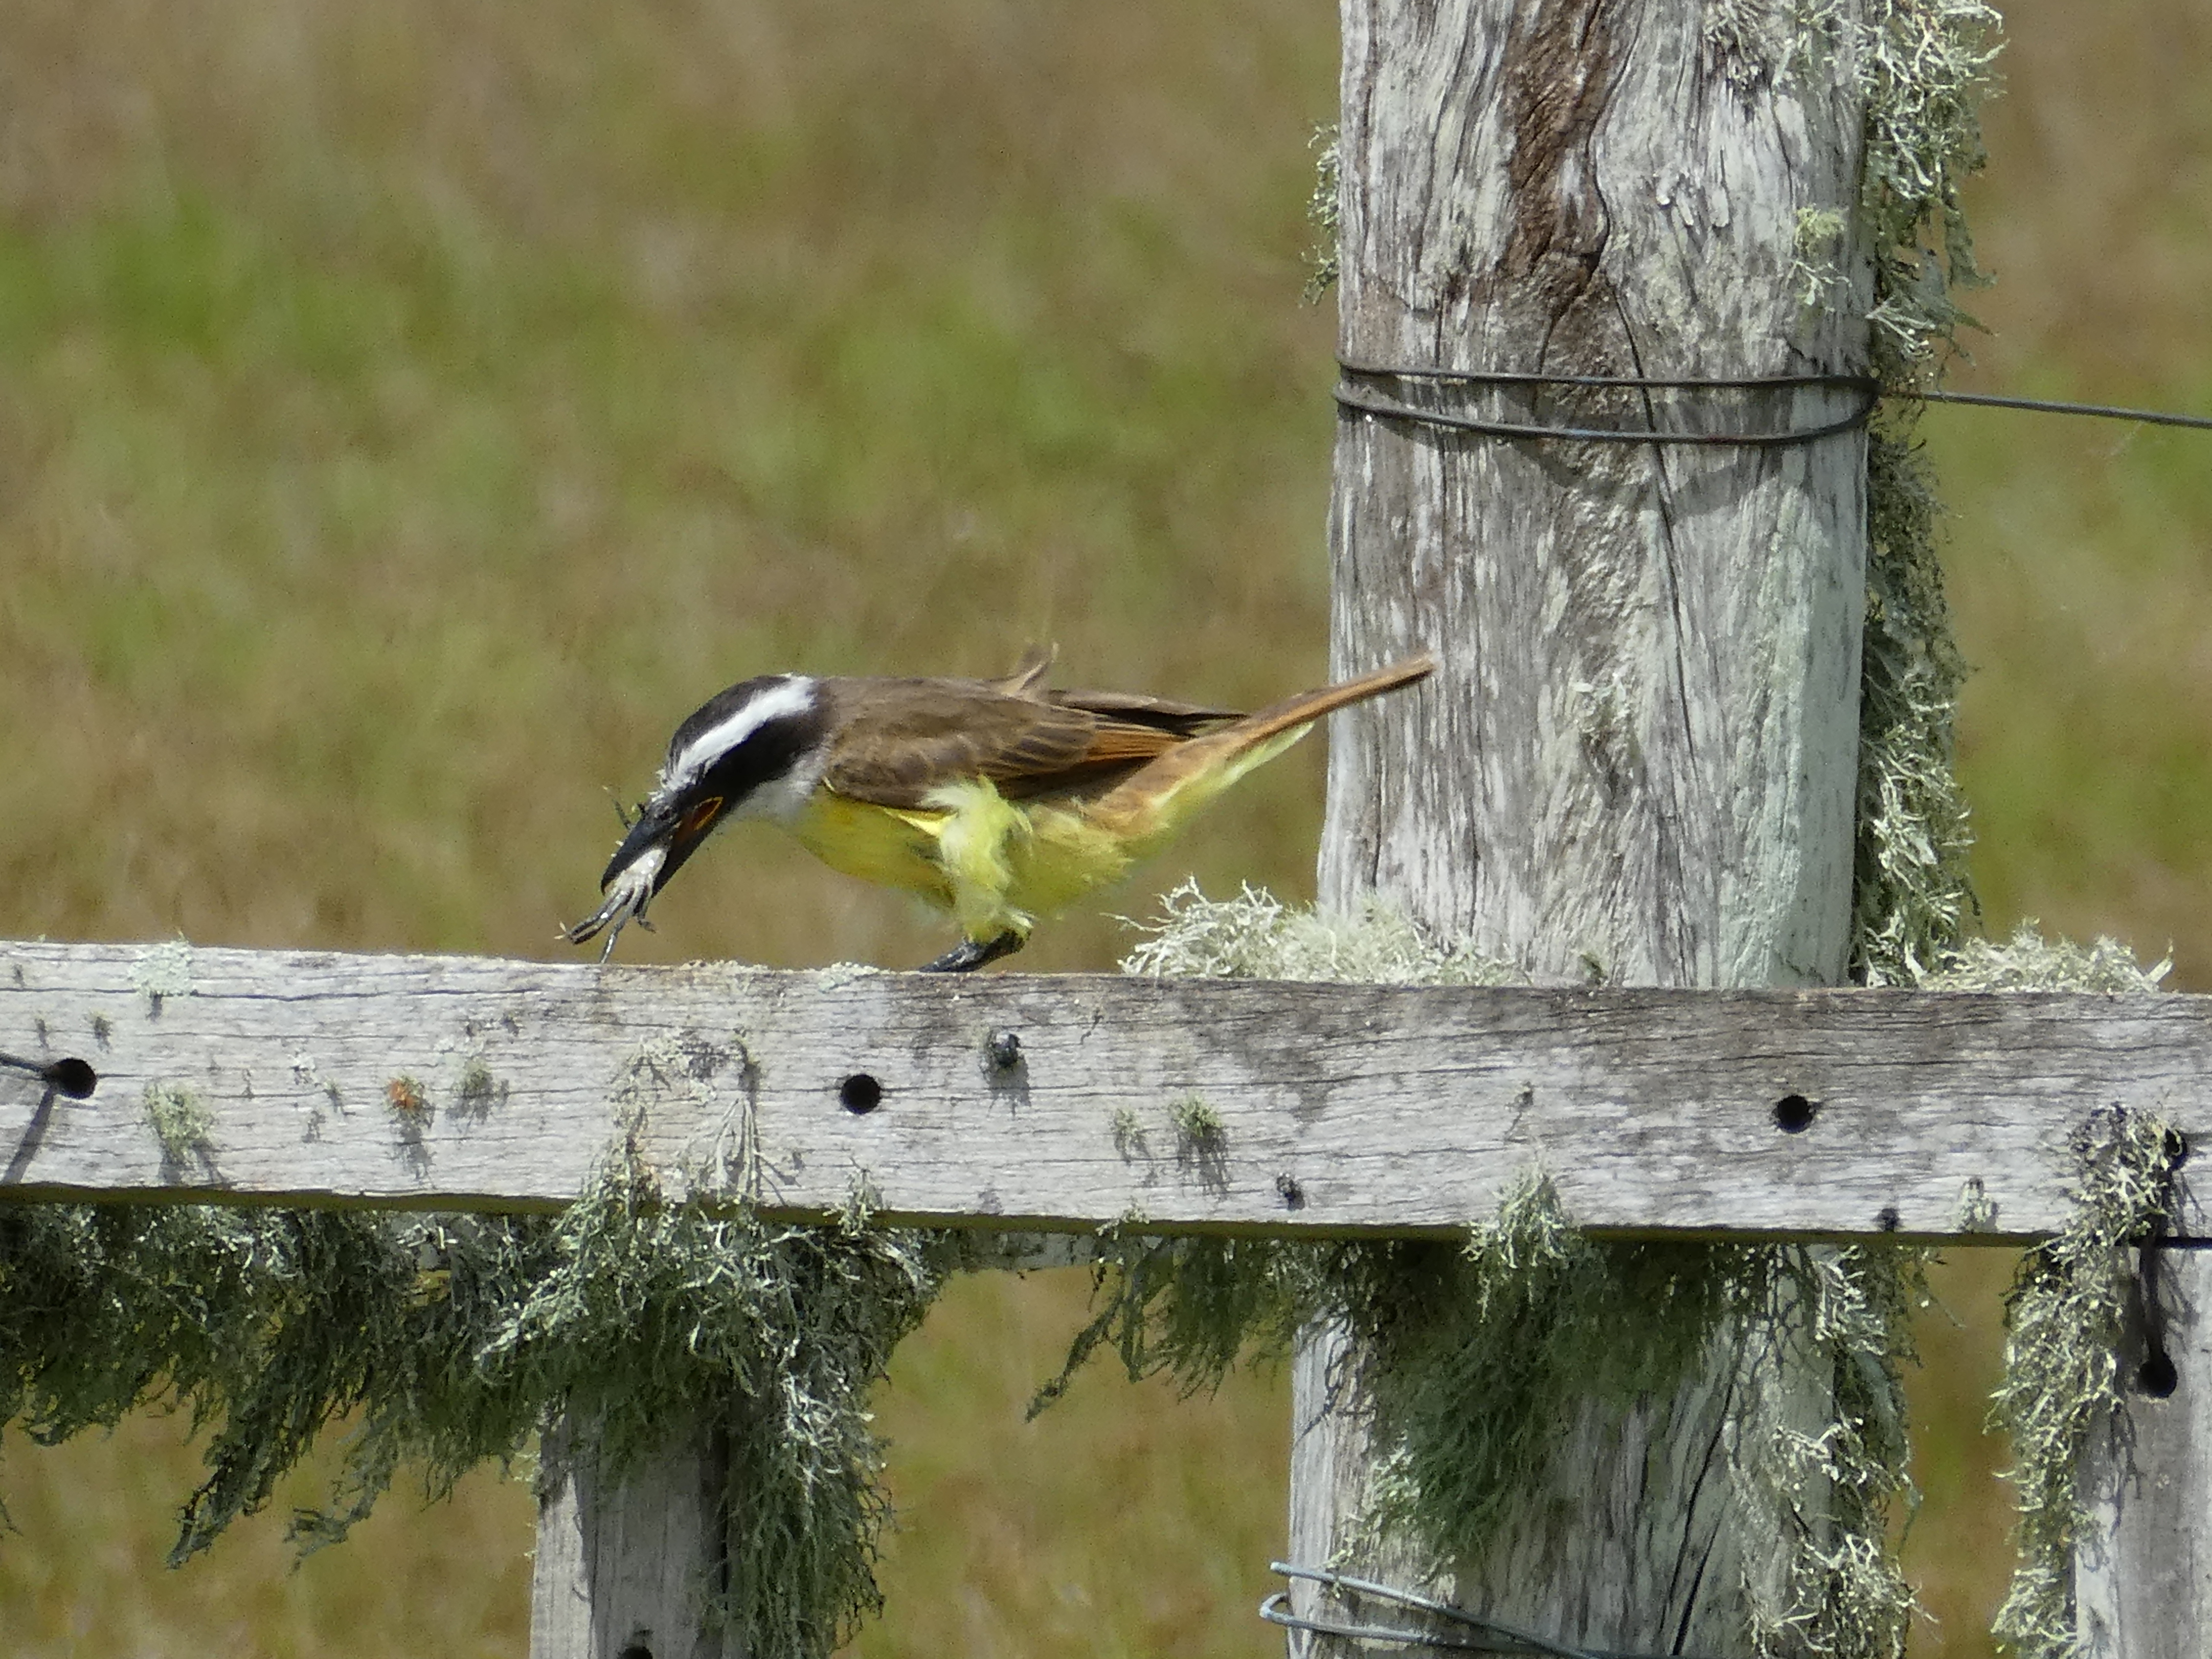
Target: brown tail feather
x=1139, y=803
x=1305, y=707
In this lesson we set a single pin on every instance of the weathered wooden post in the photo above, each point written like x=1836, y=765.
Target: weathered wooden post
x=2142, y=1575
x=1636, y=762
x=622, y=1566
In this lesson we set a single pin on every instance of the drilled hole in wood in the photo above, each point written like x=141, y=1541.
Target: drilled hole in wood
x=1793, y=1114
x=2157, y=1377
x=860, y=1094
x=73, y=1077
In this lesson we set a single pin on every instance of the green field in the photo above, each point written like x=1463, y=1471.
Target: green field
x=407, y=412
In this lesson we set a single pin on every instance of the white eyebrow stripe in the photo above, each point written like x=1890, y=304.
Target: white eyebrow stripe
x=794, y=696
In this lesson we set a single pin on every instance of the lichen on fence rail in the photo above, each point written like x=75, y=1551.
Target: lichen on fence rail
x=449, y=1340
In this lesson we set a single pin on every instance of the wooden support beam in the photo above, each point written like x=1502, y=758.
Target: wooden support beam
x=623, y=1568
x=2143, y=1577
x=1180, y=1105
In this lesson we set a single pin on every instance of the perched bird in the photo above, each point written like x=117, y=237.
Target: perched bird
x=998, y=800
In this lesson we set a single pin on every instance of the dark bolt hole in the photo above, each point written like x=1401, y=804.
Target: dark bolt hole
x=1005, y=1050
x=2157, y=1377
x=1888, y=1219
x=636, y=1650
x=73, y=1078
x=1793, y=1114
x=1293, y=1193
x=860, y=1094
x=2176, y=1148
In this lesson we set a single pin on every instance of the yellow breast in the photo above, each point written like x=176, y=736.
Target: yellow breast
x=997, y=864
x=891, y=847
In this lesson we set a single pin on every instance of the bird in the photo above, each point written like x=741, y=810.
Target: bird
x=999, y=801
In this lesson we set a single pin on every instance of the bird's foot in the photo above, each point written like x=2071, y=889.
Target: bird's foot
x=971, y=954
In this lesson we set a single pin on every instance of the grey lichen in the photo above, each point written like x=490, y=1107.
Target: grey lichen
x=1911, y=897
x=182, y=1122
x=1324, y=212
x=1924, y=67
x=1256, y=935
x=449, y=1340
x=1197, y=1125
x=2029, y=962
x=1814, y=271
x=2066, y=1317
x=1978, y=1211
x=1479, y=1361
x=164, y=971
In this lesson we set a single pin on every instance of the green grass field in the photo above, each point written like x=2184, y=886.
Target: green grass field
x=407, y=412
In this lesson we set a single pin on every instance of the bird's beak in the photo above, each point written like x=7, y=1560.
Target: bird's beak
x=653, y=850
x=675, y=830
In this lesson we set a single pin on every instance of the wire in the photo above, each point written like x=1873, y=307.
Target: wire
x=1375, y=403
x=2046, y=406
x=1870, y=392
x=1491, y=1637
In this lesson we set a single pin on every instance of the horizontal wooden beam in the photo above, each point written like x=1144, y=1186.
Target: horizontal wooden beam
x=1065, y=1102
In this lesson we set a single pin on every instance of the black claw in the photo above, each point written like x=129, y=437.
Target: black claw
x=971, y=954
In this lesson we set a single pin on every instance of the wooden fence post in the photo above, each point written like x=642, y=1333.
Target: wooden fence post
x=2142, y=1574
x=1637, y=763
x=623, y=1568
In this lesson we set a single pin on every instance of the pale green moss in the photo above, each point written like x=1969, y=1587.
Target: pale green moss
x=181, y=1121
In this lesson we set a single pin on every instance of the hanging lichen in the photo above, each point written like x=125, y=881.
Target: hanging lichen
x=454, y=1340
x=2065, y=1316
x=1478, y=1360
x=1923, y=66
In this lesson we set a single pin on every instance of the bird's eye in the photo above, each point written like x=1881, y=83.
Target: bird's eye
x=699, y=817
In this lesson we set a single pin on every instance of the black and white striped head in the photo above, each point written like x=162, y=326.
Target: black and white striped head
x=755, y=750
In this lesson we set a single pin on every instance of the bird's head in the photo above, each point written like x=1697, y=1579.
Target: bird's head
x=755, y=750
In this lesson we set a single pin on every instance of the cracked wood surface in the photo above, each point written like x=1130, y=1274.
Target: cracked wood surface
x=464, y=1082
x=1638, y=750
x=2142, y=1575
x=1638, y=753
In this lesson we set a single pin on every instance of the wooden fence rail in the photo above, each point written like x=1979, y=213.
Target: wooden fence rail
x=1070, y=1102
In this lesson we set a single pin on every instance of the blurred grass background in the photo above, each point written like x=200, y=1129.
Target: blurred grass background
x=407, y=412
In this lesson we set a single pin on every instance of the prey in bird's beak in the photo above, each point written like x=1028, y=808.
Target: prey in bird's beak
x=663, y=836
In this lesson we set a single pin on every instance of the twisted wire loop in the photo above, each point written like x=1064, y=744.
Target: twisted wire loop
x=1350, y=393
x=1485, y=1635
x=1869, y=391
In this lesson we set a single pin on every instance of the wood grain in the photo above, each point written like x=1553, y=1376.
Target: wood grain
x=1637, y=760
x=624, y=1570
x=451, y=1082
x=1638, y=752
x=2142, y=1575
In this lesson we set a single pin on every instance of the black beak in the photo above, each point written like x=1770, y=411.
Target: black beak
x=661, y=839
x=679, y=826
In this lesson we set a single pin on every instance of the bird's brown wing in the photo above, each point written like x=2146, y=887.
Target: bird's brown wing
x=898, y=739
x=1184, y=719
